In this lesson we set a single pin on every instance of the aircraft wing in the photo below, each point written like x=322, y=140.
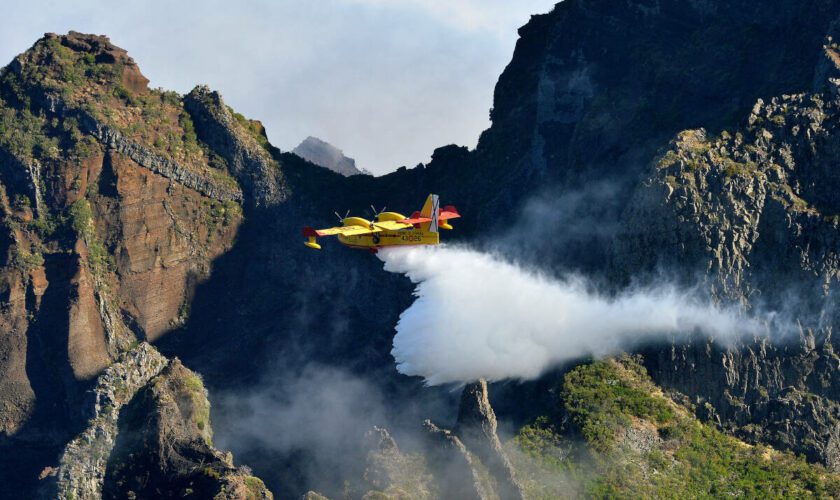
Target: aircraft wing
x=346, y=230
x=392, y=225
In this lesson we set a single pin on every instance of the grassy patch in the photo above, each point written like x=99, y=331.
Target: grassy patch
x=255, y=487
x=668, y=159
x=600, y=399
x=253, y=127
x=81, y=219
x=26, y=261
x=221, y=214
x=200, y=407
x=687, y=460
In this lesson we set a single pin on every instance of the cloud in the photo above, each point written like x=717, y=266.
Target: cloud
x=320, y=411
x=493, y=16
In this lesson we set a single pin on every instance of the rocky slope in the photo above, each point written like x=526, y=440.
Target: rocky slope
x=612, y=433
x=326, y=155
x=762, y=228
x=148, y=435
x=112, y=213
x=118, y=201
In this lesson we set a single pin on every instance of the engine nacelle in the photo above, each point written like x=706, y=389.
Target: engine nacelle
x=355, y=221
x=386, y=216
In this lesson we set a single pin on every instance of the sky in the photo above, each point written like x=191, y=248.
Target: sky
x=387, y=81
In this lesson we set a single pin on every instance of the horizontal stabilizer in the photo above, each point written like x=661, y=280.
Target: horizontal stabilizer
x=417, y=220
x=449, y=212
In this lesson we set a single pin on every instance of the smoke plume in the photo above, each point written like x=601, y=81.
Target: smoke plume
x=479, y=316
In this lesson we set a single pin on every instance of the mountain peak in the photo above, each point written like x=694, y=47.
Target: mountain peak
x=77, y=65
x=326, y=155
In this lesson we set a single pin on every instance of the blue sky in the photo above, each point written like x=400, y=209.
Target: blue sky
x=385, y=80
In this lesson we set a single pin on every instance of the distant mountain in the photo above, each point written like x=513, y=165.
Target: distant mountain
x=328, y=156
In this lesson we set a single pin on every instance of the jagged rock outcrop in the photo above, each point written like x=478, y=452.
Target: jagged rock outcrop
x=455, y=469
x=166, y=448
x=240, y=143
x=476, y=427
x=148, y=435
x=81, y=471
x=390, y=473
x=326, y=155
x=202, y=182
x=468, y=461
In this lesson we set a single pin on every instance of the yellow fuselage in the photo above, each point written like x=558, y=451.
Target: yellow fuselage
x=390, y=238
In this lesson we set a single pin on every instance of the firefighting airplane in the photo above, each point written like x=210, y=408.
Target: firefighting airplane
x=389, y=228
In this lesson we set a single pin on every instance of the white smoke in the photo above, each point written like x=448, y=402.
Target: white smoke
x=479, y=316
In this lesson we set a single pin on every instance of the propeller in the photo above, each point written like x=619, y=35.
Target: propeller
x=340, y=218
x=375, y=212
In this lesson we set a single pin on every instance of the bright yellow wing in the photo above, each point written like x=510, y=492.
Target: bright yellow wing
x=391, y=225
x=346, y=230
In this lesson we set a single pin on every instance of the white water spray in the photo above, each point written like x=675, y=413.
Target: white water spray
x=479, y=316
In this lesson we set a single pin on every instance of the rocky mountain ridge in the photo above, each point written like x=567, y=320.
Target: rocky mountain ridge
x=326, y=155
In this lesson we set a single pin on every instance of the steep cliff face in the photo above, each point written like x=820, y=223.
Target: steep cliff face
x=752, y=211
x=113, y=210
x=595, y=88
x=747, y=204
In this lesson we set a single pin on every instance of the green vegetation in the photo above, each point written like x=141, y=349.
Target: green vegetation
x=212, y=473
x=81, y=219
x=26, y=261
x=668, y=159
x=255, y=487
x=253, y=127
x=21, y=201
x=601, y=399
x=393, y=474
x=189, y=137
x=81, y=216
x=612, y=403
x=124, y=94
x=199, y=406
x=699, y=153
x=541, y=440
x=221, y=213
x=27, y=135
x=732, y=168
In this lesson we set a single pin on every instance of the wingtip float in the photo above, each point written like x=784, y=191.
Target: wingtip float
x=389, y=228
